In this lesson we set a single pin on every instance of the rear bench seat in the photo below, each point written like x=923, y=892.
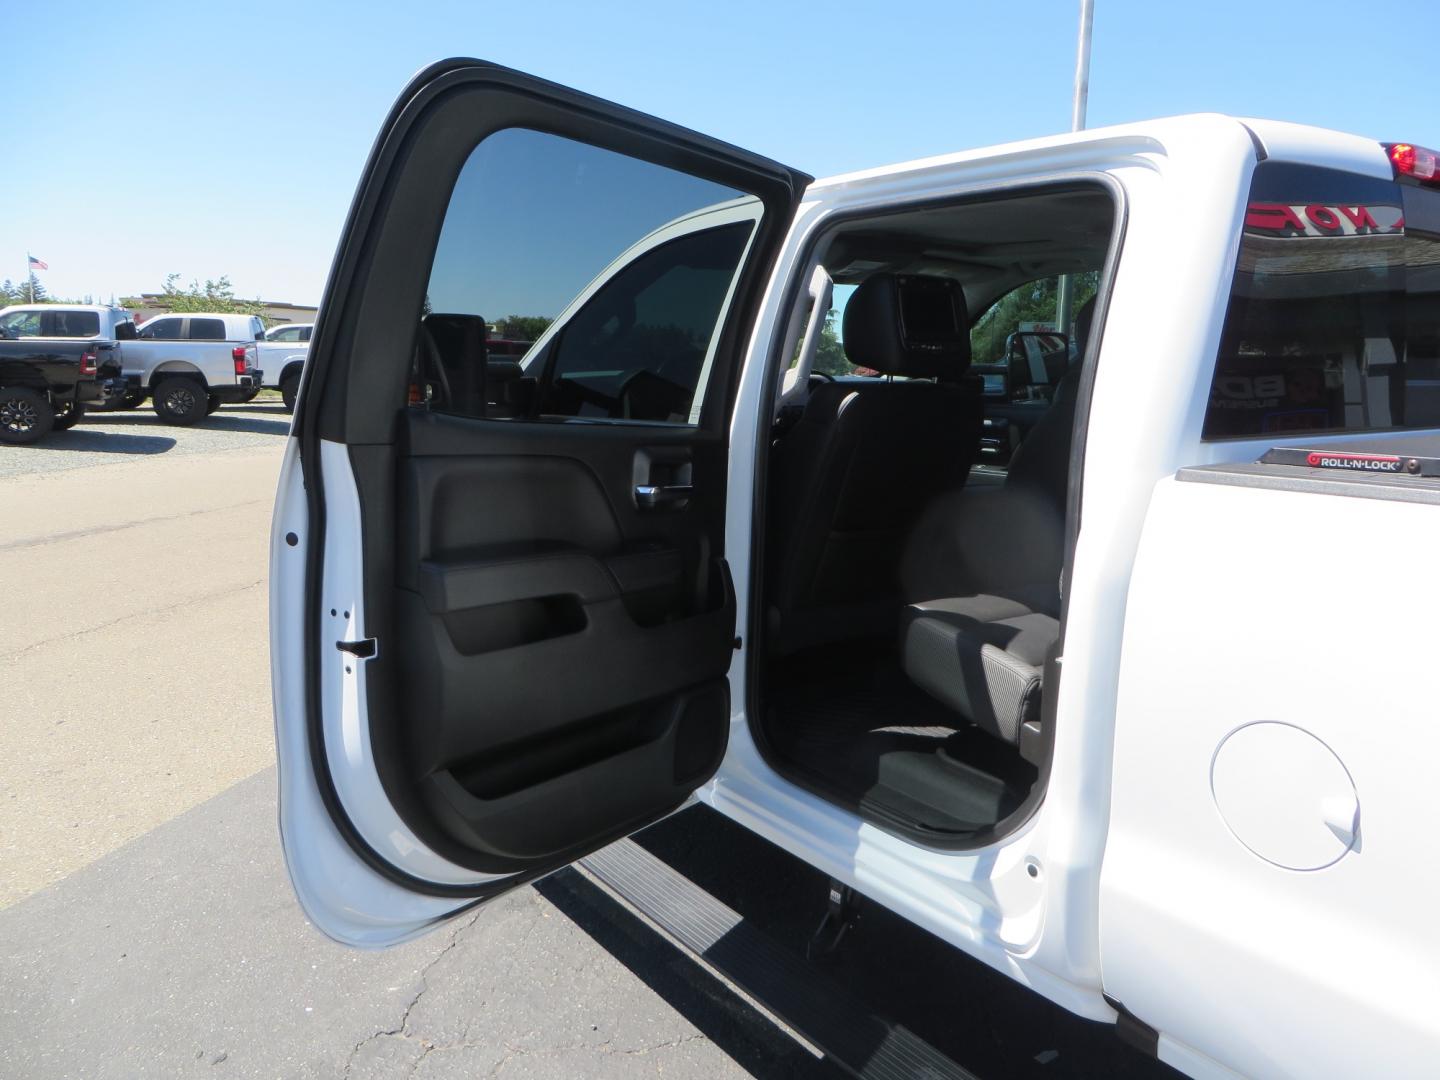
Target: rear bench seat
x=983, y=653
x=983, y=656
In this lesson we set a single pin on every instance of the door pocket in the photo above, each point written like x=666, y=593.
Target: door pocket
x=539, y=798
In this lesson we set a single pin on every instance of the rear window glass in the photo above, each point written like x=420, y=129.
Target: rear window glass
x=1334, y=317
x=207, y=329
x=70, y=324
x=161, y=329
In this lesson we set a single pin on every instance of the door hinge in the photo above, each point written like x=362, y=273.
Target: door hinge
x=364, y=649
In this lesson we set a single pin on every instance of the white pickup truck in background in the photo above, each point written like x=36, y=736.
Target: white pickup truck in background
x=282, y=355
x=190, y=364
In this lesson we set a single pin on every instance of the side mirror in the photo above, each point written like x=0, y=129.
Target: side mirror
x=1036, y=358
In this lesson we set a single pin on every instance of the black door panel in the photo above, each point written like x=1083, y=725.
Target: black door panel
x=553, y=634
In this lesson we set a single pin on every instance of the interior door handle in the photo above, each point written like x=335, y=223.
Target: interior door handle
x=663, y=496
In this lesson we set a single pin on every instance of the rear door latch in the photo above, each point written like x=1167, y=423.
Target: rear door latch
x=364, y=649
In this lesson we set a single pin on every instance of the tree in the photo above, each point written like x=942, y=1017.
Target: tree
x=1033, y=302
x=216, y=295
x=830, y=358
x=522, y=327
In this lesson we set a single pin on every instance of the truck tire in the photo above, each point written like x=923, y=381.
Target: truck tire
x=68, y=415
x=211, y=404
x=133, y=399
x=288, y=389
x=180, y=401
x=26, y=415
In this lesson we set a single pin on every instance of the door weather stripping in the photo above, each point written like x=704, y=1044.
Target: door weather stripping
x=809, y=1001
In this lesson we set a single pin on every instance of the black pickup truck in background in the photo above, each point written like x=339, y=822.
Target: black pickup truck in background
x=46, y=384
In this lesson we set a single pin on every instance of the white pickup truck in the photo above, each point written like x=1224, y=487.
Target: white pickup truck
x=1137, y=716
x=191, y=364
x=282, y=354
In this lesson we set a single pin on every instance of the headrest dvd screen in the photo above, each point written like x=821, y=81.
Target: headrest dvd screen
x=927, y=313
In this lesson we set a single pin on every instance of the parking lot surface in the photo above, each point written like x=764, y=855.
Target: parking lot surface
x=146, y=924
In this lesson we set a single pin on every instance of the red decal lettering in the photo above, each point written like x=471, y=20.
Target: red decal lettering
x=1273, y=217
x=1322, y=217
x=1360, y=217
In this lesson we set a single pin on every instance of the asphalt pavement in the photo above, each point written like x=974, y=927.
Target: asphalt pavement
x=146, y=924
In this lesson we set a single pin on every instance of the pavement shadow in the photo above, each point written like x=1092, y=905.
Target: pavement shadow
x=107, y=442
x=257, y=425
x=742, y=1031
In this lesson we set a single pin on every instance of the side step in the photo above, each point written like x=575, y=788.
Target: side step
x=820, y=1010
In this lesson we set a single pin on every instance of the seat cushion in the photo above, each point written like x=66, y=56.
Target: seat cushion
x=983, y=656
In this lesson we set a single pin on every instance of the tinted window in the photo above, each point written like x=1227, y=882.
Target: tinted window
x=1015, y=345
x=1334, y=317
x=305, y=333
x=21, y=324
x=637, y=349
x=286, y=333
x=161, y=329
x=535, y=223
x=76, y=324
x=207, y=330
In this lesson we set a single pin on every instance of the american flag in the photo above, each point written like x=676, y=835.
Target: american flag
x=36, y=264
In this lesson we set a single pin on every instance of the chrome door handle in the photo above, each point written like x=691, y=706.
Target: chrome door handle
x=663, y=496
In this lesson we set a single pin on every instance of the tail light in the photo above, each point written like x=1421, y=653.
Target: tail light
x=89, y=362
x=1414, y=161
x=242, y=360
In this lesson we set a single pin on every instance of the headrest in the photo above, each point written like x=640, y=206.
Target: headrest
x=908, y=324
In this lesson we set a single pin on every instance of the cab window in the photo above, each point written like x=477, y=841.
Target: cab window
x=161, y=329
x=1334, y=315
x=21, y=324
x=1016, y=345
x=206, y=330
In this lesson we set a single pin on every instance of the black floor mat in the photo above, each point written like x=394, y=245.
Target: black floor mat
x=863, y=734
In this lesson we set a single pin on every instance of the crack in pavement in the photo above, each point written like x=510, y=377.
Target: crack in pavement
x=398, y=1031
x=78, y=534
x=201, y=598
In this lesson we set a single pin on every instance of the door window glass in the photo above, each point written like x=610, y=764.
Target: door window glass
x=1334, y=317
x=573, y=282
x=70, y=324
x=161, y=329
x=21, y=324
x=1016, y=345
x=207, y=330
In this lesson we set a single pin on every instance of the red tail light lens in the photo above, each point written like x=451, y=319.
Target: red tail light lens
x=1414, y=161
x=241, y=362
x=89, y=363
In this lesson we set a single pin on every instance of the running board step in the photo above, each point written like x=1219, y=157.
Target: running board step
x=821, y=1011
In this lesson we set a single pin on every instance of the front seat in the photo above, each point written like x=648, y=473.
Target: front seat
x=993, y=560
x=850, y=478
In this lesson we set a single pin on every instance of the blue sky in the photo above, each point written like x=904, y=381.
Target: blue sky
x=148, y=138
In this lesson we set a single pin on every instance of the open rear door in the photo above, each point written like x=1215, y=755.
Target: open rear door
x=501, y=614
